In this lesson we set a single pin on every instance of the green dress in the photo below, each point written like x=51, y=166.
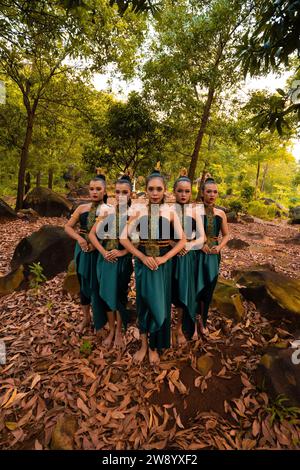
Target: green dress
x=208, y=265
x=184, y=285
x=153, y=291
x=85, y=264
x=113, y=278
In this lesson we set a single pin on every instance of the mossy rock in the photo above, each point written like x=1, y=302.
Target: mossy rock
x=237, y=244
x=204, y=364
x=71, y=283
x=50, y=246
x=6, y=211
x=63, y=433
x=47, y=203
x=295, y=215
x=11, y=281
x=279, y=374
x=272, y=292
x=227, y=299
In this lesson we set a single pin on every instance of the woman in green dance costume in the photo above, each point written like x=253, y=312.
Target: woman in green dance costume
x=85, y=254
x=209, y=257
x=114, y=265
x=153, y=267
x=185, y=263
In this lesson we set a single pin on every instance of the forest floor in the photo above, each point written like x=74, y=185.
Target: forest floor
x=103, y=401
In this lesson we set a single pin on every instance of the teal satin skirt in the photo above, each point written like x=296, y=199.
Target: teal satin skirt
x=153, y=303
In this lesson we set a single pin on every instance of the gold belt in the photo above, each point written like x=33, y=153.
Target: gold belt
x=152, y=246
x=154, y=243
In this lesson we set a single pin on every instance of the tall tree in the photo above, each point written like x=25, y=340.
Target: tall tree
x=128, y=136
x=192, y=61
x=41, y=40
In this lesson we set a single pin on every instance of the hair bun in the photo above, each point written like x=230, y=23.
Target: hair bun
x=100, y=173
x=183, y=172
x=125, y=178
x=100, y=177
x=209, y=179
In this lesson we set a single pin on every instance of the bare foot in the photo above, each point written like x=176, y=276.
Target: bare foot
x=154, y=358
x=119, y=342
x=195, y=335
x=108, y=340
x=140, y=355
x=181, y=339
x=203, y=329
x=99, y=334
x=85, y=323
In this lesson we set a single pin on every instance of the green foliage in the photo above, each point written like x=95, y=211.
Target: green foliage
x=236, y=205
x=274, y=38
x=259, y=209
x=37, y=275
x=127, y=136
x=86, y=348
x=247, y=192
x=281, y=412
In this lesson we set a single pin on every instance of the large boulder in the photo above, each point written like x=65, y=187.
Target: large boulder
x=232, y=217
x=71, y=283
x=6, y=212
x=291, y=241
x=295, y=215
x=279, y=374
x=249, y=219
x=81, y=191
x=50, y=246
x=11, y=281
x=227, y=299
x=274, y=294
x=28, y=214
x=237, y=244
x=47, y=203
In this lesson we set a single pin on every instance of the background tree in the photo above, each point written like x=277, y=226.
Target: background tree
x=127, y=137
x=41, y=40
x=271, y=43
x=192, y=59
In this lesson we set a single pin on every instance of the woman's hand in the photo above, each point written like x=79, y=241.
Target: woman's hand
x=160, y=260
x=150, y=262
x=215, y=250
x=83, y=244
x=110, y=256
x=206, y=249
x=183, y=252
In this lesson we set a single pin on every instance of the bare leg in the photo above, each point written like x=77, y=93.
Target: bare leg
x=203, y=330
x=195, y=335
x=111, y=323
x=86, y=318
x=119, y=342
x=154, y=358
x=141, y=353
x=181, y=339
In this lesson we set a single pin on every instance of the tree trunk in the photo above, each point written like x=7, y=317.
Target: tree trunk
x=50, y=178
x=200, y=183
x=38, y=179
x=198, y=143
x=257, y=179
x=28, y=182
x=262, y=186
x=24, y=158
